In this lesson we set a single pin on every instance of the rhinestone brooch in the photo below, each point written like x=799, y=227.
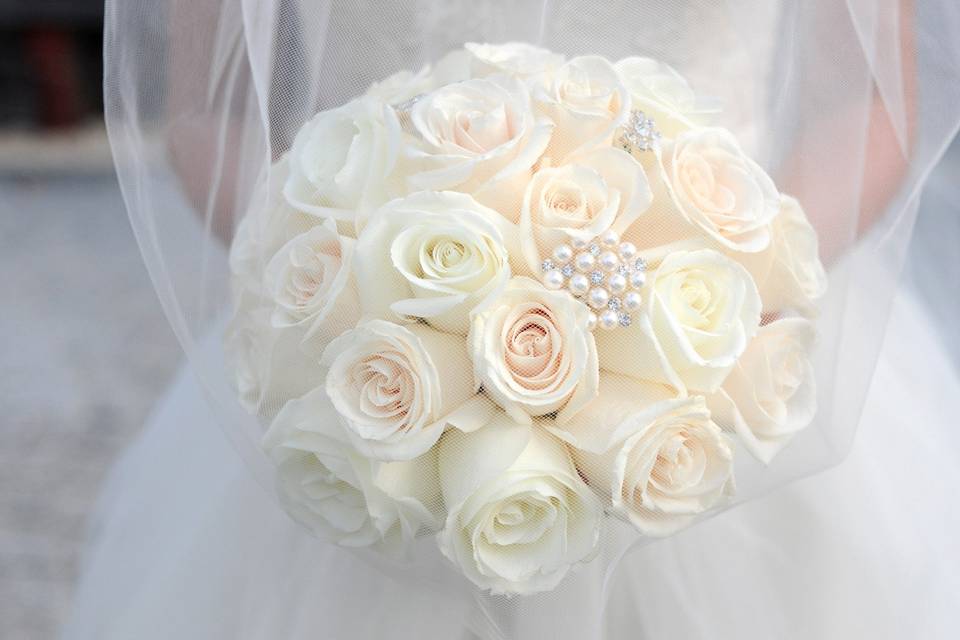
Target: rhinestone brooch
x=639, y=133
x=603, y=273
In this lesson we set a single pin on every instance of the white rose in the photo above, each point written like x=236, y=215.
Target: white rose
x=341, y=160
x=587, y=101
x=599, y=190
x=267, y=364
x=337, y=493
x=701, y=310
x=662, y=94
x=789, y=273
x=479, y=137
x=308, y=281
x=660, y=459
x=397, y=387
x=267, y=225
x=512, y=58
x=720, y=190
x=532, y=351
x=518, y=515
x=404, y=85
x=770, y=395
x=431, y=255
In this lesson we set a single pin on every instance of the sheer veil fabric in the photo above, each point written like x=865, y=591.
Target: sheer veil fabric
x=847, y=104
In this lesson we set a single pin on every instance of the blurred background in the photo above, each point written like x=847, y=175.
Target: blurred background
x=87, y=351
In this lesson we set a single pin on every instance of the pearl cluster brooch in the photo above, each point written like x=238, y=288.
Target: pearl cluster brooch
x=604, y=273
x=639, y=133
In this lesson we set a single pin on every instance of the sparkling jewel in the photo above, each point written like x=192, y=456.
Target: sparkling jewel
x=403, y=110
x=639, y=133
x=562, y=253
x=627, y=250
x=406, y=105
x=597, y=298
x=609, y=319
x=624, y=319
x=638, y=279
x=591, y=321
x=596, y=278
x=615, y=304
x=632, y=301
x=578, y=243
x=567, y=270
x=610, y=238
x=640, y=264
x=579, y=284
x=594, y=249
x=617, y=283
x=547, y=265
x=553, y=279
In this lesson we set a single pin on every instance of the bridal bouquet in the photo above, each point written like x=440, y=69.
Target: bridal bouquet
x=511, y=296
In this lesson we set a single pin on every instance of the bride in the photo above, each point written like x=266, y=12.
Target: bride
x=851, y=103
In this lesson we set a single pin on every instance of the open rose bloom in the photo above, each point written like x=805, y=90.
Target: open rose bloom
x=491, y=295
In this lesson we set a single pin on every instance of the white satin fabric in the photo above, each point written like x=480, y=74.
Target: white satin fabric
x=186, y=545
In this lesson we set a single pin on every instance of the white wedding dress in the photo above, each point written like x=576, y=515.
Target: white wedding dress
x=187, y=545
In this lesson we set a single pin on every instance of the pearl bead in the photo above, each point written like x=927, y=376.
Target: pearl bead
x=591, y=321
x=583, y=262
x=627, y=250
x=638, y=279
x=609, y=319
x=579, y=284
x=632, y=301
x=610, y=238
x=598, y=297
x=608, y=260
x=563, y=253
x=617, y=283
x=553, y=279
x=579, y=243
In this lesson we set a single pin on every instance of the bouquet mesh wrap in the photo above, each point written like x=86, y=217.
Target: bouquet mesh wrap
x=498, y=292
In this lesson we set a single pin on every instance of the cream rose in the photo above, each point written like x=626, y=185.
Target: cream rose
x=587, y=101
x=341, y=161
x=660, y=459
x=397, y=387
x=598, y=190
x=309, y=283
x=662, y=94
x=702, y=308
x=431, y=255
x=337, y=493
x=518, y=515
x=267, y=225
x=406, y=85
x=720, y=190
x=770, y=395
x=268, y=364
x=789, y=273
x=480, y=137
x=532, y=351
x=512, y=58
